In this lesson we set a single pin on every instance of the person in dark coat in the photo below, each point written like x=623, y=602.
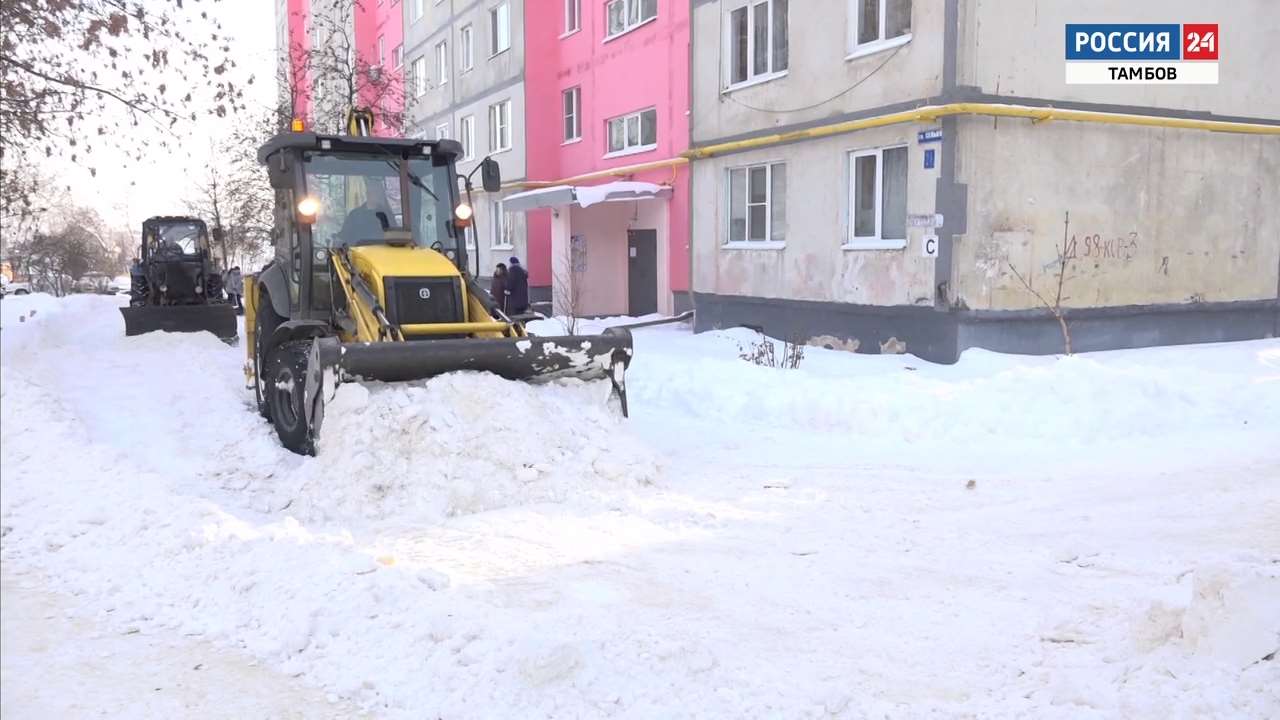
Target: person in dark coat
x=498, y=286
x=517, y=288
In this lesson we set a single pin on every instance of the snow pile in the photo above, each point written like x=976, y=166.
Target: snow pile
x=896, y=400
x=465, y=443
x=471, y=547
x=1234, y=613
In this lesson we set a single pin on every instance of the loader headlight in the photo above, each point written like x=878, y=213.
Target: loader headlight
x=199, y=289
x=463, y=213
x=308, y=207
x=164, y=288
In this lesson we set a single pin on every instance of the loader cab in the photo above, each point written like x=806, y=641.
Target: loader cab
x=341, y=191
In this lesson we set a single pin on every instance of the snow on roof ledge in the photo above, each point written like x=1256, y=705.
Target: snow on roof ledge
x=583, y=195
x=618, y=190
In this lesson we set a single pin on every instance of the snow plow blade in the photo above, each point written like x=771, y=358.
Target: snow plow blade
x=217, y=319
x=531, y=359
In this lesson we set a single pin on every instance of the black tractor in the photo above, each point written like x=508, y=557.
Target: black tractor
x=175, y=285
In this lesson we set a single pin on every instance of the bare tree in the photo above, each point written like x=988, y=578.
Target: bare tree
x=79, y=72
x=340, y=77
x=56, y=258
x=566, y=278
x=234, y=195
x=1055, y=308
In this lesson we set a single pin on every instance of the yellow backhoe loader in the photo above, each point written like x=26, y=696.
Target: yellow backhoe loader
x=370, y=281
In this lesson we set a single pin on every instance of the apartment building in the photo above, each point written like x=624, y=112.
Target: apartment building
x=379, y=36
x=465, y=81
x=890, y=176
x=293, y=42
x=607, y=196
x=325, y=47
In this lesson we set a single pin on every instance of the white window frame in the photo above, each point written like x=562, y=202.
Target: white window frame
x=382, y=50
x=880, y=44
x=879, y=242
x=633, y=149
x=753, y=78
x=417, y=10
x=467, y=47
x=467, y=136
x=500, y=122
x=442, y=62
x=747, y=243
x=627, y=25
x=418, y=70
x=572, y=17
x=501, y=10
x=397, y=56
x=498, y=222
x=575, y=112
x=442, y=130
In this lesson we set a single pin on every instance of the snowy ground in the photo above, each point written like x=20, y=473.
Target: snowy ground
x=868, y=536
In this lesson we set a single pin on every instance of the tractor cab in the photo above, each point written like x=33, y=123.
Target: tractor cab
x=338, y=193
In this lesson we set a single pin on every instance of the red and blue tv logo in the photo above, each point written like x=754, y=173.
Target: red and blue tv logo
x=1142, y=53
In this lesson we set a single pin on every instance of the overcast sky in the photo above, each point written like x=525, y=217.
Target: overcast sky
x=127, y=191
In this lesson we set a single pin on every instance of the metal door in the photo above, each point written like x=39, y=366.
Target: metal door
x=642, y=272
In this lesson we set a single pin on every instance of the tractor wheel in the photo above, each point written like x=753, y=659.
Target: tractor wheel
x=286, y=394
x=265, y=324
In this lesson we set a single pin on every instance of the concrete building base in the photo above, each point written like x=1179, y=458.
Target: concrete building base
x=941, y=335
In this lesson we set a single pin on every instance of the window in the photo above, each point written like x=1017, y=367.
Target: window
x=382, y=50
x=500, y=29
x=636, y=132
x=419, y=73
x=878, y=197
x=467, y=129
x=467, y=43
x=572, y=16
x=397, y=56
x=442, y=62
x=442, y=131
x=500, y=126
x=415, y=11
x=572, y=104
x=501, y=233
x=873, y=22
x=626, y=15
x=758, y=45
x=758, y=203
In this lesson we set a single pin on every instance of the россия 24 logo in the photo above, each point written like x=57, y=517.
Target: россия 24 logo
x=1142, y=54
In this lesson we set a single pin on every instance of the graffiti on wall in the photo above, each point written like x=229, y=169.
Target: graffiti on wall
x=1098, y=247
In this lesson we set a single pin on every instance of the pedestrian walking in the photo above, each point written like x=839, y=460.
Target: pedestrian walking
x=234, y=285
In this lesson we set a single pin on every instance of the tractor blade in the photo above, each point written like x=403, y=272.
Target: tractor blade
x=531, y=359
x=217, y=319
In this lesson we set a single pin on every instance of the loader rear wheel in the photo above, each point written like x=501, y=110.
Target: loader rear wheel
x=286, y=395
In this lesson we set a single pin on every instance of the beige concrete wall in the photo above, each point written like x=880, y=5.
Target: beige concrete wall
x=818, y=72
x=813, y=264
x=1156, y=216
x=1016, y=47
x=603, y=287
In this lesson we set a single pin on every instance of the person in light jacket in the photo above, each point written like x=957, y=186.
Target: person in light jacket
x=234, y=285
x=517, y=288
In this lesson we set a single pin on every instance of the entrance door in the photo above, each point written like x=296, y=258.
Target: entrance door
x=642, y=272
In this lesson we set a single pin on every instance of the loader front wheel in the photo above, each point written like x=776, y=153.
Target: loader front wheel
x=286, y=396
x=265, y=323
